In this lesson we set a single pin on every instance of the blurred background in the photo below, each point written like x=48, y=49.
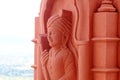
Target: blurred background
x=16, y=33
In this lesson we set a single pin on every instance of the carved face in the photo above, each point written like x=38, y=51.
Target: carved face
x=55, y=37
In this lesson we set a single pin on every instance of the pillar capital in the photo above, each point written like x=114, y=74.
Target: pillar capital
x=106, y=6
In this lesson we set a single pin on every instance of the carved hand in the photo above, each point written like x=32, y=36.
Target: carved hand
x=44, y=58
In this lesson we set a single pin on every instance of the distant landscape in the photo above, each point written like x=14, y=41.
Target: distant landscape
x=16, y=67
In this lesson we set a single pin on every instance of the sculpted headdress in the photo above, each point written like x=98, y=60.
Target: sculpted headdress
x=61, y=22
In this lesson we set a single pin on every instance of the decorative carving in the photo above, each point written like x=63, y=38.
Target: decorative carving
x=58, y=63
x=95, y=27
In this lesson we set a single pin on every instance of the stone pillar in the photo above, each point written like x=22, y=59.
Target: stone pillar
x=37, y=65
x=105, y=42
x=84, y=61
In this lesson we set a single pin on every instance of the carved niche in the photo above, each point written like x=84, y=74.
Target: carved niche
x=94, y=35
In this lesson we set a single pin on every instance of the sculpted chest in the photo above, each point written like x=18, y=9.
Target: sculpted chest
x=56, y=64
x=56, y=61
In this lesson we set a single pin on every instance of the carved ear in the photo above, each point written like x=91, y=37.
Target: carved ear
x=66, y=37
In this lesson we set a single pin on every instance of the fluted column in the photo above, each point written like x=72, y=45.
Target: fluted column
x=105, y=42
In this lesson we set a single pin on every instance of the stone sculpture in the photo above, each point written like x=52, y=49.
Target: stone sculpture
x=94, y=41
x=58, y=63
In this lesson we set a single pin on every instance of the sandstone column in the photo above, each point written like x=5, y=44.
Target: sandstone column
x=37, y=65
x=105, y=41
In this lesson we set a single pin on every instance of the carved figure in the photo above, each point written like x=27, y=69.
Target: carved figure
x=58, y=63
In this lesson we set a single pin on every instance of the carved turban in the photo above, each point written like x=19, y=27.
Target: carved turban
x=62, y=23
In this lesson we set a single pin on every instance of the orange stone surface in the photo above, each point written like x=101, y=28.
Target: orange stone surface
x=77, y=40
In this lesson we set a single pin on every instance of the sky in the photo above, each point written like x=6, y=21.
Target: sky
x=17, y=26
